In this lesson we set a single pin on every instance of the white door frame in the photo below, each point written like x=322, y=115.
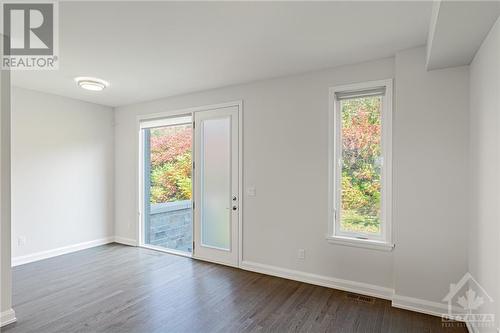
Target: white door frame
x=140, y=191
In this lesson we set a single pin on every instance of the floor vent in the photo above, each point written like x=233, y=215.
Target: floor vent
x=361, y=298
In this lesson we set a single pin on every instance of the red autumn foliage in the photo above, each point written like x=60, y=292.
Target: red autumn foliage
x=361, y=138
x=166, y=148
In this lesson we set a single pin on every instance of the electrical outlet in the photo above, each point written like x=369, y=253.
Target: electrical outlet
x=21, y=240
x=251, y=191
x=301, y=254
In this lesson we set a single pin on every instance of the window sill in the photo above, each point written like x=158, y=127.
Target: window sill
x=363, y=243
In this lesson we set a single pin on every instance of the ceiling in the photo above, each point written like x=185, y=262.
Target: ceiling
x=149, y=50
x=451, y=41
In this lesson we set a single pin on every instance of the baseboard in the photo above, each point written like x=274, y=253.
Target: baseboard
x=420, y=305
x=21, y=260
x=472, y=328
x=320, y=280
x=398, y=301
x=125, y=241
x=7, y=317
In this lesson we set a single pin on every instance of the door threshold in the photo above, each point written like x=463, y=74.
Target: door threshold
x=169, y=251
x=236, y=265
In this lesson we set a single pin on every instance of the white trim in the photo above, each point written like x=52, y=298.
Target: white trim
x=421, y=305
x=472, y=328
x=190, y=110
x=7, y=317
x=363, y=243
x=140, y=184
x=320, y=280
x=240, y=182
x=167, y=250
x=386, y=123
x=207, y=259
x=125, y=241
x=169, y=121
x=21, y=260
x=398, y=301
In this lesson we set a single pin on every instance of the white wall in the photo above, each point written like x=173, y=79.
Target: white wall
x=6, y=314
x=285, y=155
x=431, y=188
x=484, y=253
x=62, y=172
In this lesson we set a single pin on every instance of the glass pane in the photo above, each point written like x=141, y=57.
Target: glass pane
x=215, y=183
x=168, y=221
x=361, y=167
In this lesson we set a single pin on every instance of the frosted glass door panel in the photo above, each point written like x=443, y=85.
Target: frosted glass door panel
x=216, y=183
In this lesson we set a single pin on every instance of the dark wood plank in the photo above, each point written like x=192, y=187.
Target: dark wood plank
x=116, y=288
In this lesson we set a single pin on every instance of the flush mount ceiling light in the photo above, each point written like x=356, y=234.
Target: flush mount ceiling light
x=91, y=83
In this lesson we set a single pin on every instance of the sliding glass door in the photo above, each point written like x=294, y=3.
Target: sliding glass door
x=190, y=184
x=167, y=165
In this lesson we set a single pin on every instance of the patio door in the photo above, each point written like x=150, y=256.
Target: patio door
x=216, y=185
x=166, y=152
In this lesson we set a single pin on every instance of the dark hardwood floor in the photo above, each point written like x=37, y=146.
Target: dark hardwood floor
x=115, y=288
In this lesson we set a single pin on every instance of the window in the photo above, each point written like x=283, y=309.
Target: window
x=166, y=178
x=360, y=164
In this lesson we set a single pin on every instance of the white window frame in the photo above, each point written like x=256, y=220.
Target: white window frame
x=335, y=235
